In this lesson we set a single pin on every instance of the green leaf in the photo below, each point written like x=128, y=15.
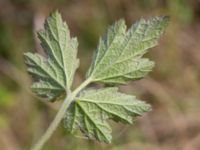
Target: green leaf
x=90, y=111
x=54, y=74
x=118, y=58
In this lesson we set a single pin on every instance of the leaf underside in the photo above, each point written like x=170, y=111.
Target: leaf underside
x=93, y=108
x=118, y=58
x=54, y=74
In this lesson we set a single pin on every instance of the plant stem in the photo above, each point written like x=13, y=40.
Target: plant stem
x=82, y=86
x=59, y=116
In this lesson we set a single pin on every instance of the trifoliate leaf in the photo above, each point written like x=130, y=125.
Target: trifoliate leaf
x=117, y=59
x=92, y=108
x=55, y=73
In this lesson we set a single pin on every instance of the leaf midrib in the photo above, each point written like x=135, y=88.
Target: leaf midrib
x=123, y=49
x=85, y=112
x=119, y=75
x=104, y=55
x=48, y=74
x=122, y=105
x=114, y=114
x=60, y=49
x=104, y=102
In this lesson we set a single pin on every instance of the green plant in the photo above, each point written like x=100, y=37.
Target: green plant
x=117, y=60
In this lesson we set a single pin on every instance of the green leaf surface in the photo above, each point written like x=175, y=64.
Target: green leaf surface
x=92, y=108
x=118, y=58
x=54, y=74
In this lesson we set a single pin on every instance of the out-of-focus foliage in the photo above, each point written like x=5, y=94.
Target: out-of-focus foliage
x=6, y=97
x=172, y=88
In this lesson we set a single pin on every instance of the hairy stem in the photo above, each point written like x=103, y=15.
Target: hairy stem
x=59, y=116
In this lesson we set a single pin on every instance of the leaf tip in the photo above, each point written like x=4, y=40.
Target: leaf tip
x=55, y=13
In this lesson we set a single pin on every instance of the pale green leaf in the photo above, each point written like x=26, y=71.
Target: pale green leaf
x=54, y=73
x=93, y=108
x=117, y=59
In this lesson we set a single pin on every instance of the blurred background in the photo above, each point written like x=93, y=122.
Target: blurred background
x=173, y=88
